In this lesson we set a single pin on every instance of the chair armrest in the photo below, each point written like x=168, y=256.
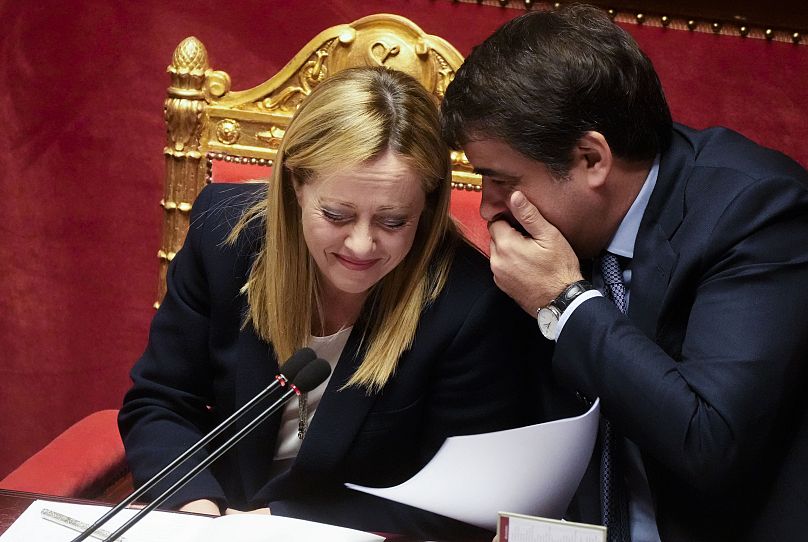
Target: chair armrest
x=83, y=461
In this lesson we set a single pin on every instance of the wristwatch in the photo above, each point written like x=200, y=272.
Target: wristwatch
x=548, y=316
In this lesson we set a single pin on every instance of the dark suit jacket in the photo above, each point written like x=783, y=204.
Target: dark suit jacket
x=707, y=373
x=466, y=373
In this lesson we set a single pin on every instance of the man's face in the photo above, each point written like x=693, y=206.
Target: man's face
x=568, y=204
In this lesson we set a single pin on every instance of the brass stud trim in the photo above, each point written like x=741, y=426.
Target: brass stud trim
x=466, y=186
x=222, y=156
x=729, y=27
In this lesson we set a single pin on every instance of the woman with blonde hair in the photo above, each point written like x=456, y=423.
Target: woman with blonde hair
x=350, y=250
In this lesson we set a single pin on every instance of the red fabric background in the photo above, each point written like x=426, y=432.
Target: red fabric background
x=81, y=167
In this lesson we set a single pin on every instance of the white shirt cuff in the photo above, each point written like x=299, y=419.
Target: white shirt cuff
x=589, y=294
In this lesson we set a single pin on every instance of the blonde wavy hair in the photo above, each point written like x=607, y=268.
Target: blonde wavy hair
x=351, y=118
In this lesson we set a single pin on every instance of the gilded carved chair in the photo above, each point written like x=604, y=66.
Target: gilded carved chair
x=216, y=134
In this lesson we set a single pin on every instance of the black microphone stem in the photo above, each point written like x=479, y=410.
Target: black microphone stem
x=168, y=469
x=214, y=455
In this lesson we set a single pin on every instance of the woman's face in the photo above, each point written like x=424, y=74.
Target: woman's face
x=359, y=224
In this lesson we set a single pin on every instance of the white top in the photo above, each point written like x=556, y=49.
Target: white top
x=330, y=349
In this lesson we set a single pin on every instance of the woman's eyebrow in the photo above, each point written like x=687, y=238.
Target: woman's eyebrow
x=383, y=208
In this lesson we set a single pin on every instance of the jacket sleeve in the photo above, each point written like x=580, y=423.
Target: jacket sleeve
x=167, y=409
x=708, y=394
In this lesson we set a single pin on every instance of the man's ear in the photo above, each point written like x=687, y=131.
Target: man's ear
x=592, y=157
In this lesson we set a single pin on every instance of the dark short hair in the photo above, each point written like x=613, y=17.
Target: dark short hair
x=545, y=78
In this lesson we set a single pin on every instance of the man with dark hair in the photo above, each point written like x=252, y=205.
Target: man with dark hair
x=697, y=245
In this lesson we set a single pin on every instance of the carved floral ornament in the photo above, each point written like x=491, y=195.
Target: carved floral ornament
x=228, y=131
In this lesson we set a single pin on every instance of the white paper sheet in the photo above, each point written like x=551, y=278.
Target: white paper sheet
x=531, y=470
x=168, y=527
x=255, y=528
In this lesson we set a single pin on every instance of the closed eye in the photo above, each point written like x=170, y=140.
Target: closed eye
x=393, y=223
x=333, y=216
x=498, y=181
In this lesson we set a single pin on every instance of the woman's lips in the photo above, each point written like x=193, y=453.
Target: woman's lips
x=355, y=265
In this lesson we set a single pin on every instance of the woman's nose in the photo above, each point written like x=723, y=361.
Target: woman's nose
x=360, y=240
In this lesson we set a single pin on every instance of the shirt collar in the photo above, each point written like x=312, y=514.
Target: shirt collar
x=622, y=243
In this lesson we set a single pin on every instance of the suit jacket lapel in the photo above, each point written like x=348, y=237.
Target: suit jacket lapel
x=651, y=279
x=339, y=415
x=654, y=256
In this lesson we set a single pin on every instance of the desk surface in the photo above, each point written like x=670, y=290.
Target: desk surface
x=13, y=503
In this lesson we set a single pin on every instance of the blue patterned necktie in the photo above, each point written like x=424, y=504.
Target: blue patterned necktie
x=613, y=501
x=612, y=274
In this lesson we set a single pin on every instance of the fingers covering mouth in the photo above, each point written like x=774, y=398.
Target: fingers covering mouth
x=510, y=219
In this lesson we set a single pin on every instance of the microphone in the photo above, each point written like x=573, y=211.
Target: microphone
x=309, y=377
x=289, y=372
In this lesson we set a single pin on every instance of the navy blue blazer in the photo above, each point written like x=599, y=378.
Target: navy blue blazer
x=469, y=371
x=707, y=372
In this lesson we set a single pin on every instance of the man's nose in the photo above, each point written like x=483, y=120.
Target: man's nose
x=492, y=202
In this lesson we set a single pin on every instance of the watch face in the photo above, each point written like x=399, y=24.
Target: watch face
x=548, y=322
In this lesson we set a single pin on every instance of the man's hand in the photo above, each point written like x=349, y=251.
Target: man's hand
x=532, y=270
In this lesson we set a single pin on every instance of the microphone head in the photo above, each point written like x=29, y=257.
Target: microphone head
x=297, y=361
x=312, y=375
